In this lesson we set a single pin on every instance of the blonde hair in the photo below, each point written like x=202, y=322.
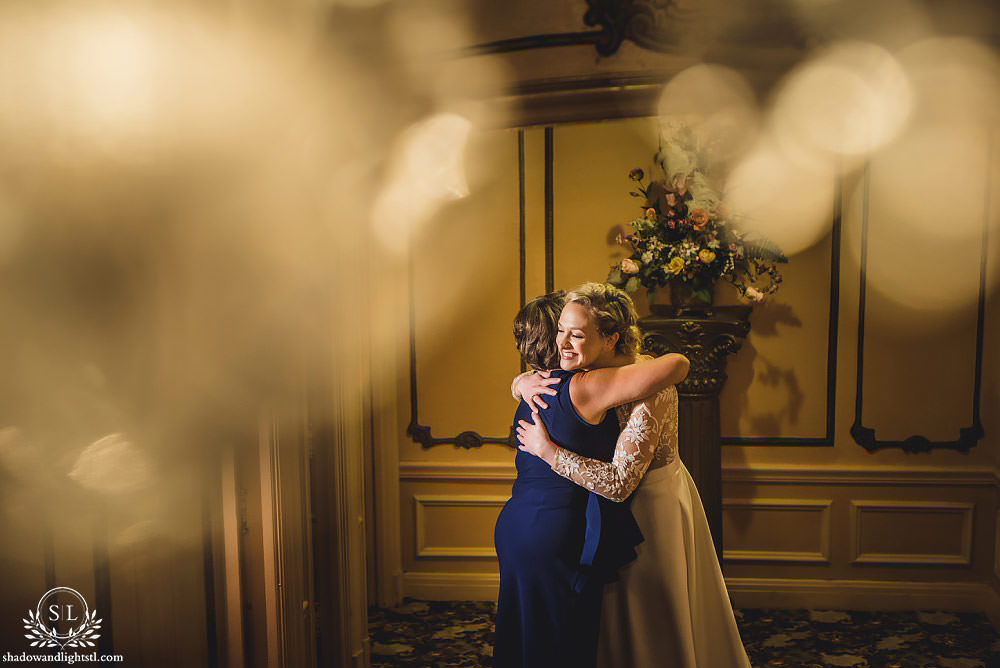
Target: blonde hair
x=613, y=312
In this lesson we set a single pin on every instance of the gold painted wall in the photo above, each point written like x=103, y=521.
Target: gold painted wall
x=803, y=524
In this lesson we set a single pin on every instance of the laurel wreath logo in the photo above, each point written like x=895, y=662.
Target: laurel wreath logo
x=42, y=636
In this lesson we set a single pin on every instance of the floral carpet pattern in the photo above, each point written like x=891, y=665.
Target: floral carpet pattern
x=460, y=633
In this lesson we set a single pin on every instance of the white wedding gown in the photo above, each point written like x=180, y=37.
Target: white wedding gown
x=670, y=607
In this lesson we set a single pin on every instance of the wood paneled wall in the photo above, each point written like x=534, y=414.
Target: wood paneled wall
x=810, y=514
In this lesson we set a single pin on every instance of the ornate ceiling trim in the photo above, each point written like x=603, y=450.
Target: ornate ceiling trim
x=654, y=25
x=651, y=24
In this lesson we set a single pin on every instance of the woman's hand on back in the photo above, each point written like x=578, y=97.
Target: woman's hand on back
x=534, y=439
x=531, y=387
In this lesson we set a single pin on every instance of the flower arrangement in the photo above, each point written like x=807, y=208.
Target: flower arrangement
x=686, y=238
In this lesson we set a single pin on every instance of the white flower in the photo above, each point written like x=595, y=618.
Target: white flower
x=754, y=295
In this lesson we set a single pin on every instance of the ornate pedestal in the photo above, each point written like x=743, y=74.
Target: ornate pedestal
x=706, y=336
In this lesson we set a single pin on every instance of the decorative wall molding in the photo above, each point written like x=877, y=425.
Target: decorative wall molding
x=648, y=23
x=549, y=211
x=963, y=557
x=452, y=586
x=831, y=346
x=761, y=592
x=860, y=594
x=521, y=225
x=588, y=98
x=817, y=506
x=655, y=25
x=457, y=471
x=776, y=556
x=862, y=476
x=423, y=501
x=471, y=439
x=529, y=42
x=873, y=476
x=967, y=436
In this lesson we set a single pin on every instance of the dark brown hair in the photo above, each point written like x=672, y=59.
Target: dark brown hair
x=535, y=328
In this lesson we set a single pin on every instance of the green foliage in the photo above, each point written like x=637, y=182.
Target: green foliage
x=760, y=248
x=615, y=277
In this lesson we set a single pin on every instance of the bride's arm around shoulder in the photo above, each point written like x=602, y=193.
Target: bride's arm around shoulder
x=598, y=390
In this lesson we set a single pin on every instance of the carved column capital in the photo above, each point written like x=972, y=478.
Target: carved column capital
x=706, y=336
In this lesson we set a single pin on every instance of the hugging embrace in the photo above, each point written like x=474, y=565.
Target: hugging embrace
x=605, y=553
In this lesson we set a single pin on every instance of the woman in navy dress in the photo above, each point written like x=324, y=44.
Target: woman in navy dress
x=556, y=542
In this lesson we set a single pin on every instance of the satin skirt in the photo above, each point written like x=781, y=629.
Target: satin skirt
x=670, y=607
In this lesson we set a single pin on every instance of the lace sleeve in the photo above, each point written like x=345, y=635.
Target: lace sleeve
x=634, y=451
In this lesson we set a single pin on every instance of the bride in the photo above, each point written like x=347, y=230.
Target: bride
x=670, y=606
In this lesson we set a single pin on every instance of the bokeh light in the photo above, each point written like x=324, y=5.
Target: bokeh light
x=851, y=99
x=781, y=196
x=931, y=190
x=113, y=465
x=185, y=194
x=427, y=170
x=716, y=104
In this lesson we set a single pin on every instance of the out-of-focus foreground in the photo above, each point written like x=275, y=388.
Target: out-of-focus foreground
x=237, y=244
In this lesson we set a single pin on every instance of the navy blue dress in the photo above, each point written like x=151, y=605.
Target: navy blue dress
x=557, y=545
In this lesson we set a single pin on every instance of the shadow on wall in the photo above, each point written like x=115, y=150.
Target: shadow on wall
x=750, y=366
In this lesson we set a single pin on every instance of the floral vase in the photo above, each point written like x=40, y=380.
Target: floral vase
x=683, y=296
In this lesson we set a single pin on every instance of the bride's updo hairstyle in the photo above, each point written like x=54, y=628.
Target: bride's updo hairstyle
x=535, y=328
x=613, y=312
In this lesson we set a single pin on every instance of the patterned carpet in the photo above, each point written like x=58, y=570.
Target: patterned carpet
x=460, y=633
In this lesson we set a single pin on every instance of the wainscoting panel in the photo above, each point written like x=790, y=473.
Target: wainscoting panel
x=456, y=525
x=782, y=530
x=448, y=518
x=871, y=537
x=912, y=532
